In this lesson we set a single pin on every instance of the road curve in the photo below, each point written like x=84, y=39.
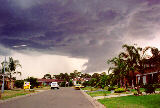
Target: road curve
x=62, y=98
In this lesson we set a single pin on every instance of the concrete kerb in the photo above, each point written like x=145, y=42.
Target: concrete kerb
x=19, y=97
x=95, y=103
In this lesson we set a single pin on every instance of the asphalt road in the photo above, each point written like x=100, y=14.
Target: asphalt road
x=62, y=98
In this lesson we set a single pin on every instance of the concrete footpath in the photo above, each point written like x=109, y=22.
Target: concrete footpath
x=110, y=96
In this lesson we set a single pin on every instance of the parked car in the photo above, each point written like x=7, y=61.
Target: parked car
x=78, y=86
x=54, y=85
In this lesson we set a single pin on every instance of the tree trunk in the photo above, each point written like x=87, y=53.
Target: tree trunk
x=121, y=83
x=10, y=76
x=0, y=95
x=132, y=84
x=133, y=79
x=124, y=85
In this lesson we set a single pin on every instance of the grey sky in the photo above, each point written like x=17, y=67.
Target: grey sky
x=93, y=30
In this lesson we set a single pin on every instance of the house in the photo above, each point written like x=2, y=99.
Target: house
x=45, y=82
x=150, y=73
x=8, y=84
x=75, y=80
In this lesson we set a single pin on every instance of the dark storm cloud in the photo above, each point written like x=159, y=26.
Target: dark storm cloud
x=91, y=29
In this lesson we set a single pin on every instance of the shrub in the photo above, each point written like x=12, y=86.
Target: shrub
x=149, y=88
x=19, y=83
x=33, y=82
x=156, y=85
x=78, y=82
x=86, y=83
x=106, y=88
x=70, y=83
x=6, y=86
x=135, y=93
x=119, y=90
x=111, y=88
x=63, y=84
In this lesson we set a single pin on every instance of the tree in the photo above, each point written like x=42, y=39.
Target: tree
x=127, y=63
x=77, y=74
x=119, y=70
x=155, y=58
x=57, y=76
x=132, y=56
x=72, y=75
x=10, y=68
x=70, y=83
x=19, y=83
x=93, y=82
x=85, y=75
x=103, y=80
x=33, y=82
x=96, y=76
x=86, y=83
x=47, y=76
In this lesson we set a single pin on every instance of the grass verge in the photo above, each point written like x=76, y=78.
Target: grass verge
x=43, y=88
x=146, y=101
x=89, y=88
x=13, y=93
x=99, y=93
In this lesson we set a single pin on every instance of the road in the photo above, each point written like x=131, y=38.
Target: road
x=62, y=98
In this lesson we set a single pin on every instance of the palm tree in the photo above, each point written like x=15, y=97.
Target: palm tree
x=132, y=56
x=119, y=70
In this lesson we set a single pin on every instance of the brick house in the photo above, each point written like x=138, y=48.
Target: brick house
x=45, y=82
x=80, y=79
x=7, y=83
x=150, y=74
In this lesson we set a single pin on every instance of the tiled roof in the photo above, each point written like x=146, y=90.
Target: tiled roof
x=49, y=80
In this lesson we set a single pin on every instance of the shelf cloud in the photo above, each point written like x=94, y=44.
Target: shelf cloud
x=89, y=29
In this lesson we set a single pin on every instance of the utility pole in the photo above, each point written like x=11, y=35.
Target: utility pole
x=4, y=65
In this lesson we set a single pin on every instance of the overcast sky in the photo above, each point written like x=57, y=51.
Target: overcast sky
x=54, y=36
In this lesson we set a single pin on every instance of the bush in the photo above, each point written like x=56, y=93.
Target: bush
x=119, y=90
x=63, y=84
x=70, y=83
x=111, y=88
x=33, y=82
x=106, y=88
x=19, y=83
x=6, y=86
x=156, y=85
x=86, y=83
x=149, y=88
x=78, y=82
x=135, y=93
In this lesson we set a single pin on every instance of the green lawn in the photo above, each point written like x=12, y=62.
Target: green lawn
x=141, y=89
x=13, y=93
x=89, y=88
x=146, y=101
x=99, y=93
x=43, y=88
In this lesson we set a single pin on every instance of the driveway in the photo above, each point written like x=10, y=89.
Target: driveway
x=61, y=98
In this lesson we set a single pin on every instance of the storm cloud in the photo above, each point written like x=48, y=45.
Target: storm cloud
x=89, y=29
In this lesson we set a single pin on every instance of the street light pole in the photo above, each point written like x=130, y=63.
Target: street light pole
x=4, y=65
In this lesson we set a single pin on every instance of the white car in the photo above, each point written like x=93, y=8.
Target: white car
x=54, y=85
